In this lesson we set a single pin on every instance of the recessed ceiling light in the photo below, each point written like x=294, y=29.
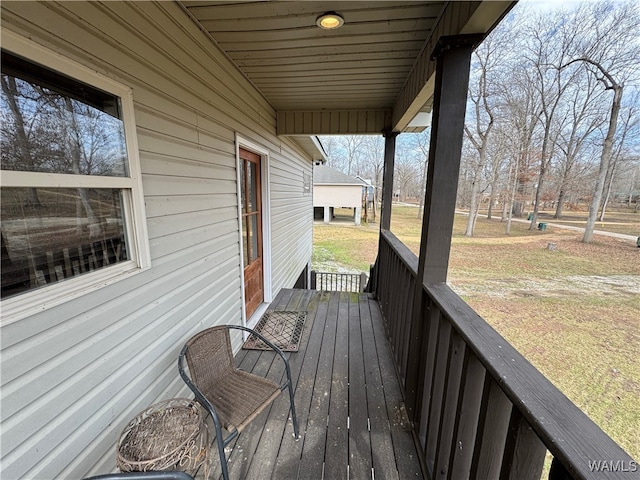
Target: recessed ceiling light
x=329, y=21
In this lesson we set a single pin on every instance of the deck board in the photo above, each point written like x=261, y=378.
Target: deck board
x=384, y=460
x=360, y=461
x=342, y=373
x=336, y=453
x=405, y=453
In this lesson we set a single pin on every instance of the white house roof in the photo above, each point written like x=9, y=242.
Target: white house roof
x=324, y=175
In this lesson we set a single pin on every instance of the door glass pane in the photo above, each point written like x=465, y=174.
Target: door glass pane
x=245, y=243
x=253, y=187
x=243, y=193
x=253, y=237
x=49, y=234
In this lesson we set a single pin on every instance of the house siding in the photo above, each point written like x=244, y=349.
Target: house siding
x=73, y=375
x=337, y=196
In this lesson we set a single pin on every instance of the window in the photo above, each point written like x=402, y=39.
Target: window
x=71, y=200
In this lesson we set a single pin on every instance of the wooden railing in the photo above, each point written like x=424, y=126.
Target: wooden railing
x=338, y=282
x=479, y=409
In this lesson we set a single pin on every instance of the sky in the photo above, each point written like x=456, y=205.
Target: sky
x=550, y=4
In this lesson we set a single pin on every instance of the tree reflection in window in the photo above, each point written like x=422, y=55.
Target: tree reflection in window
x=55, y=125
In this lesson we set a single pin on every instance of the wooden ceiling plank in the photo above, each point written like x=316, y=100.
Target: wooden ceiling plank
x=389, y=72
x=293, y=22
x=420, y=26
x=336, y=65
x=380, y=40
x=304, y=61
x=353, y=91
x=398, y=47
x=276, y=10
x=309, y=86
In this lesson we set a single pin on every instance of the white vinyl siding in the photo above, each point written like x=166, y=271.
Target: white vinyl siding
x=291, y=219
x=74, y=375
x=337, y=196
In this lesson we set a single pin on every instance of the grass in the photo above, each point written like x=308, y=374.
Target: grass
x=344, y=246
x=574, y=313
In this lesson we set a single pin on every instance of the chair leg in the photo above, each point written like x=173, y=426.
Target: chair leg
x=223, y=457
x=294, y=418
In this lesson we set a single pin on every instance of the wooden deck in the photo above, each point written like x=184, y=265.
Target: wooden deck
x=350, y=409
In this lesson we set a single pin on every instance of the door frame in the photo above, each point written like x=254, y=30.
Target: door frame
x=245, y=144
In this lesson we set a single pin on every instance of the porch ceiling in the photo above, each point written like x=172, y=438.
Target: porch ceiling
x=373, y=73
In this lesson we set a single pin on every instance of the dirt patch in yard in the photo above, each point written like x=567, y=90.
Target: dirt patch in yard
x=568, y=286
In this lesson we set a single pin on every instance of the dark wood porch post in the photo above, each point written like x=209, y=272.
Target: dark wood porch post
x=387, y=194
x=387, y=179
x=453, y=56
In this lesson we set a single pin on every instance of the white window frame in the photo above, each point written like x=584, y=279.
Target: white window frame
x=41, y=299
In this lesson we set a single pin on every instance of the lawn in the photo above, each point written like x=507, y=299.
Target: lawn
x=619, y=219
x=573, y=312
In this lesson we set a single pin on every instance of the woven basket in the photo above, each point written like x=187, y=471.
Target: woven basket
x=170, y=435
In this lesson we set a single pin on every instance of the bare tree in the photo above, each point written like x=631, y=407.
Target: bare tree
x=550, y=42
x=630, y=120
x=479, y=94
x=352, y=145
x=609, y=52
x=583, y=119
x=407, y=170
x=10, y=91
x=332, y=148
x=423, y=141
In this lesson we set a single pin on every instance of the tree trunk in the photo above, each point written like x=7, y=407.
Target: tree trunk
x=423, y=186
x=605, y=158
x=492, y=198
x=560, y=204
x=473, y=205
x=608, y=183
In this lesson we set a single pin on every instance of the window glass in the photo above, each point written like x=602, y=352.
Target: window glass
x=49, y=234
x=46, y=128
x=70, y=198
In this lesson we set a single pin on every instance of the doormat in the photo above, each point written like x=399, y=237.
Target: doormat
x=282, y=328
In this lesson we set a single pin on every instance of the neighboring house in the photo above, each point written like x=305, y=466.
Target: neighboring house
x=333, y=189
x=156, y=180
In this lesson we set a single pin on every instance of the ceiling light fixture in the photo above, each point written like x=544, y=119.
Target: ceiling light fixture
x=329, y=21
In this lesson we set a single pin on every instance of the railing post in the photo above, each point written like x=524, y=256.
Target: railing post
x=453, y=57
x=387, y=179
x=313, y=279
